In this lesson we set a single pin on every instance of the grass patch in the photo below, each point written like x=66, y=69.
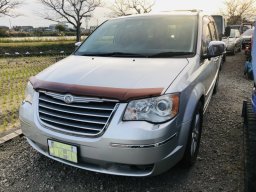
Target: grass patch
x=37, y=47
x=14, y=75
x=38, y=39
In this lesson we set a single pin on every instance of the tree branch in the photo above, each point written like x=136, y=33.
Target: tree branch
x=127, y=7
x=6, y=6
x=73, y=11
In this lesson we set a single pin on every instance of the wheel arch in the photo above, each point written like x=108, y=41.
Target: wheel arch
x=196, y=95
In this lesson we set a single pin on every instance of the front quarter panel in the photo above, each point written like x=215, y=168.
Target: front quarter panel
x=190, y=84
x=191, y=88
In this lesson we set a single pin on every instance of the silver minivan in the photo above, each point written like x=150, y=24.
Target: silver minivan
x=130, y=100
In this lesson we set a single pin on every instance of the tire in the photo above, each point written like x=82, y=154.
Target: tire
x=194, y=137
x=250, y=75
x=250, y=149
x=216, y=86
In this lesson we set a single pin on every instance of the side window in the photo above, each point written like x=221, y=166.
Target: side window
x=206, y=35
x=213, y=31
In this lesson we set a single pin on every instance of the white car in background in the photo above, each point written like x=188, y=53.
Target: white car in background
x=233, y=42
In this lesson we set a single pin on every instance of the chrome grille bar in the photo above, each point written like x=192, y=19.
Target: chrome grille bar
x=73, y=119
x=72, y=112
x=54, y=120
x=85, y=116
x=76, y=106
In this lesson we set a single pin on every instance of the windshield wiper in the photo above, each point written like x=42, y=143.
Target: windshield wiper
x=171, y=54
x=115, y=54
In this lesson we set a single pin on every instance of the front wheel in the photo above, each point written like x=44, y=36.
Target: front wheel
x=194, y=137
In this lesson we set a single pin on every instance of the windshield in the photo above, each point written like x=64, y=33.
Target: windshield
x=159, y=36
x=248, y=32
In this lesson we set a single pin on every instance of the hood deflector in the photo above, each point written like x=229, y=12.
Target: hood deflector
x=121, y=94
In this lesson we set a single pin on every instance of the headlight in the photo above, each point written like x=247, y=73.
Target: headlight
x=155, y=110
x=29, y=93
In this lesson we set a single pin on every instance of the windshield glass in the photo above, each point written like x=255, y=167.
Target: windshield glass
x=248, y=32
x=161, y=36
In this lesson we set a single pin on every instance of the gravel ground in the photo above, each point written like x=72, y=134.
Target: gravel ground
x=219, y=167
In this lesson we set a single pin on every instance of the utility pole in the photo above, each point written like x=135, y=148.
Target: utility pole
x=10, y=24
x=87, y=18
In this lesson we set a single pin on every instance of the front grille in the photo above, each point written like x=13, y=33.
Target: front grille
x=84, y=116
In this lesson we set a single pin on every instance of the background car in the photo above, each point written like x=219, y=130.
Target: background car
x=233, y=41
x=249, y=114
x=242, y=28
x=246, y=38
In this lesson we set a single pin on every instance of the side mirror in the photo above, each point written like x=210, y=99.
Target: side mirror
x=77, y=44
x=215, y=49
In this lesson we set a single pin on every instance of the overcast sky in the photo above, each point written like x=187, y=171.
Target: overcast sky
x=31, y=8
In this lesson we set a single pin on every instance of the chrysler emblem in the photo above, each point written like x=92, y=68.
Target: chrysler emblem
x=68, y=99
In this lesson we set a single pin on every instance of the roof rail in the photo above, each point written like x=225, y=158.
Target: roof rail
x=191, y=10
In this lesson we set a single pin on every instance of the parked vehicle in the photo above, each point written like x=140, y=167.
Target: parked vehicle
x=246, y=40
x=242, y=28
x=233, y=42
x=246, y=26
x=130, y=100
x=249, y=114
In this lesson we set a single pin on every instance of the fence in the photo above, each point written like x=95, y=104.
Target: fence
x=14, y=75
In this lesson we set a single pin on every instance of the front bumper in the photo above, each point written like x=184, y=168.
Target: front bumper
x=126, y=148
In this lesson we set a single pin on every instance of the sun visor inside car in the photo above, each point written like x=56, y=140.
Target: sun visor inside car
x=120, y=94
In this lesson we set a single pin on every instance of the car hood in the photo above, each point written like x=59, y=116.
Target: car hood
x=246, y=37
x=115, y=72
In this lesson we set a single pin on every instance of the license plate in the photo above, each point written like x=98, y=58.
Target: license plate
x=63, y=151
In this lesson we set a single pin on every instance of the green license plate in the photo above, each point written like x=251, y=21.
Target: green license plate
x=63, y=151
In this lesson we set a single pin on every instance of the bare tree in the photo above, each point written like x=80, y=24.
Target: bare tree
x=128, y=7
x=238, y=10
x=72, y=11
x=6, y=6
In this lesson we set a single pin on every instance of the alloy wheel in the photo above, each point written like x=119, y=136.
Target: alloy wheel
x=195, y=135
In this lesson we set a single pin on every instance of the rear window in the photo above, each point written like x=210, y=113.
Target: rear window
x=249, y=32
